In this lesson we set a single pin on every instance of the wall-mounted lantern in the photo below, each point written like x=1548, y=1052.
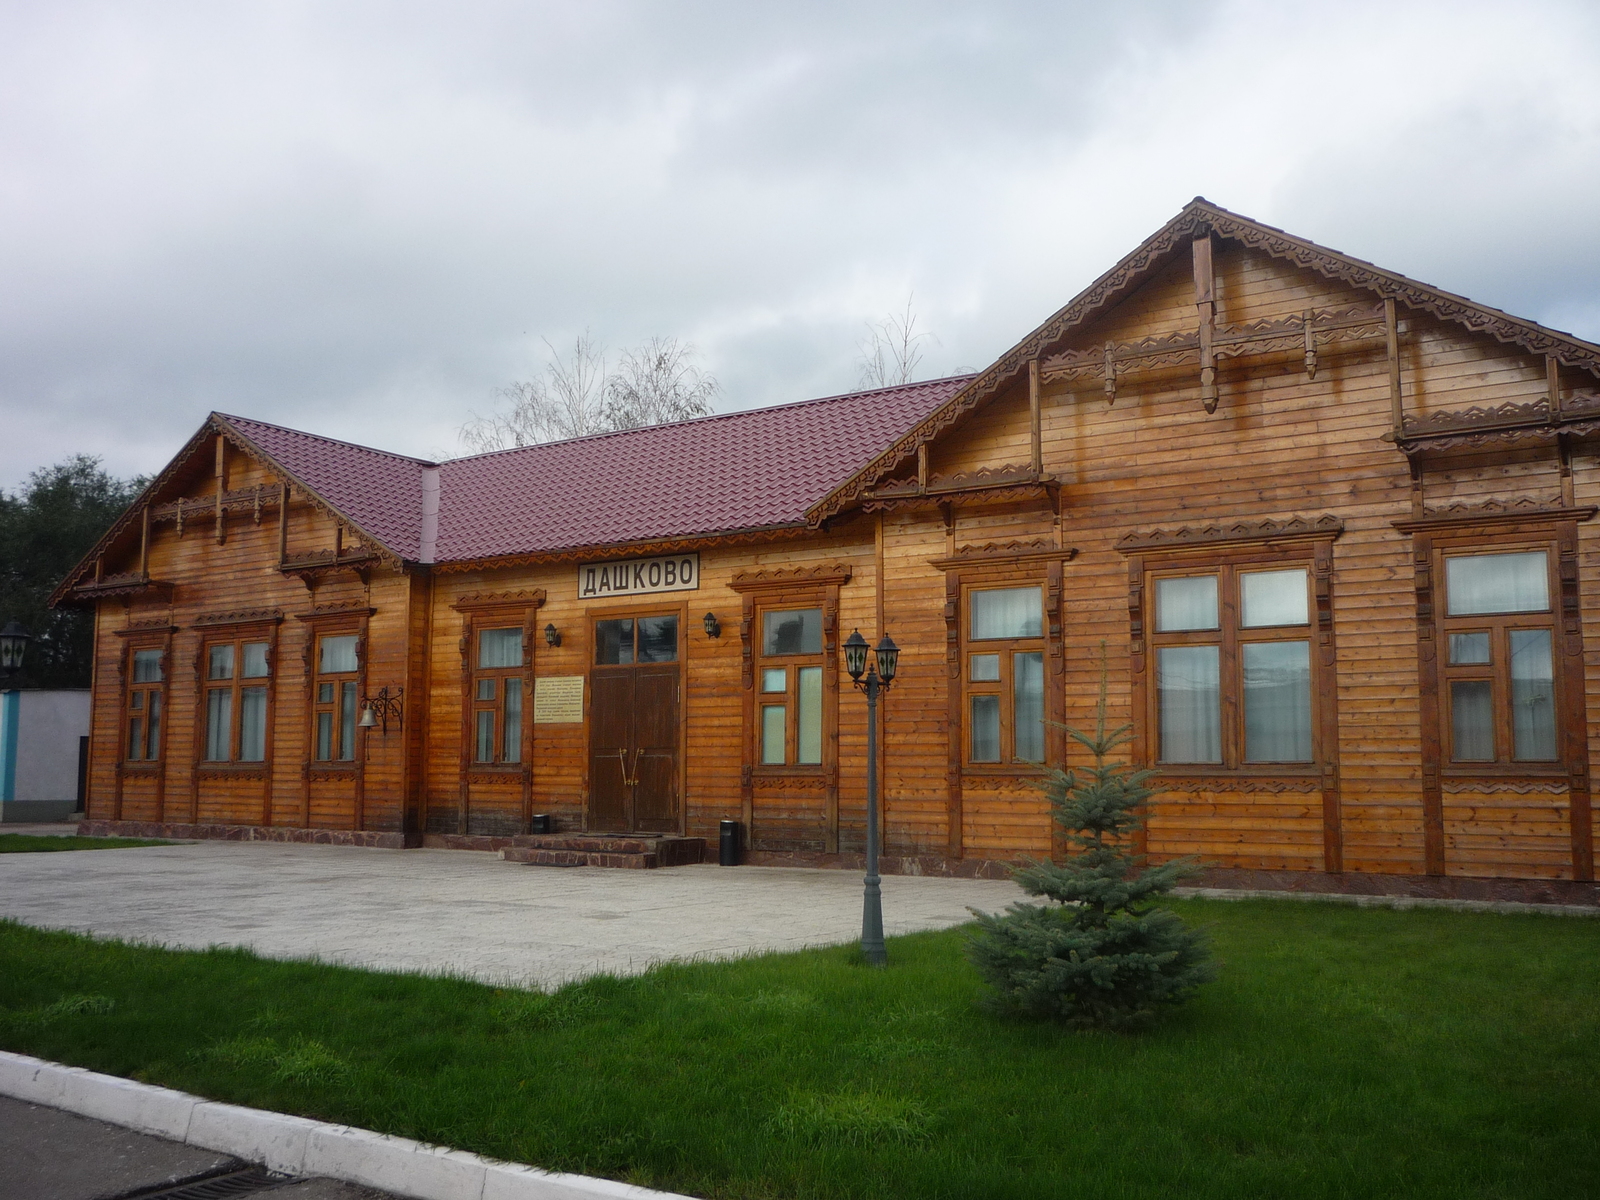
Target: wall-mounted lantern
x=552, y=636
x=713, y=627
x=14, y=641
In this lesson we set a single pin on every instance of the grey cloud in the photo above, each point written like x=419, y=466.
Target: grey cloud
x=361, y=218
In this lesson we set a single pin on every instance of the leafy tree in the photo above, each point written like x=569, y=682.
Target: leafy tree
x=1101, y=954
x=45, y=529
x=579, y=395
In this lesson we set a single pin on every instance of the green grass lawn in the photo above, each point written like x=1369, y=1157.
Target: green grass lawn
x=1345, y=1052
x=28, y=843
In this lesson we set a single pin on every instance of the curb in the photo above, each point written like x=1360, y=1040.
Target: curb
x=1362, y=900
x=296, y=1145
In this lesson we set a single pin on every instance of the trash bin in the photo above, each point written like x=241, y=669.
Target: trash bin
x=540, y=823
x=728, y=850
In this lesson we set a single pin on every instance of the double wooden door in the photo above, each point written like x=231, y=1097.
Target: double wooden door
x=634, y=710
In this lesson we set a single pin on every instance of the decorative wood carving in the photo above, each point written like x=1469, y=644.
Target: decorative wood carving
x=1494, y=512
x=1263, y=530
x=1233, y=783
x=1005, y=554
x=249, y=616
x=528, y=598
x=308, y=567
x=125, y=583
x=353, y=608
x=1157, y=250
x=988, y=485
x=1491, y=787
x=773, y=577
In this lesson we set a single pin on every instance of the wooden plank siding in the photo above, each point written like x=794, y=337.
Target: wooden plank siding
x=1281, y=444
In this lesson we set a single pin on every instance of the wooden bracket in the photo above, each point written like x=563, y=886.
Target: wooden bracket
x=1206, y=302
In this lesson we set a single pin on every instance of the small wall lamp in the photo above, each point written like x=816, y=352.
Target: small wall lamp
x=713, y=627
x=552, y=636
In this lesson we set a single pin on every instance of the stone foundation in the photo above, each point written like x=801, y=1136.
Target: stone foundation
x=243, y=833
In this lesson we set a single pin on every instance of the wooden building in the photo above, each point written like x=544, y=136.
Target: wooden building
x=1331, y=527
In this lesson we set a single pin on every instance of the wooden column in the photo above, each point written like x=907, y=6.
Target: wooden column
x=283, y=523
x=144, y=541
x=1428, y=697
x=1036, y=437
x=1328, y=710
x=222, y=486
x=1575, y=726
x=1205, y=301
x=952, y=625
x=1391, y=326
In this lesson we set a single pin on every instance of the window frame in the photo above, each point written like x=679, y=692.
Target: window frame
x=1498, y=670
x=496, y=704
x=787, y=589
x=159, y=690
x=791, y=665
x=1005, y=686
x=1228, y=564
x=317, y=708
x=499, y=610
x=1230, y=637
x=236, y=637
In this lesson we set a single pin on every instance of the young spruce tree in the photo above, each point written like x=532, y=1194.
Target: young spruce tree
x=1102, y=955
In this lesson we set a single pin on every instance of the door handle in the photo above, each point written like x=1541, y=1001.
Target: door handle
x=637, y=755
x=622, y=757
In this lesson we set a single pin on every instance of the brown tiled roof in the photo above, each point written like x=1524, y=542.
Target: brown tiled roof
x=758, y=469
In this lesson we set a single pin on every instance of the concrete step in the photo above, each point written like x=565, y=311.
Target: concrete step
x=604, y=850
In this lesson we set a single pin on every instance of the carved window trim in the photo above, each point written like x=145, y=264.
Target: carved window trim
x=1557, y=533
x=237, y=635
x=496, y=610
x=1213, y=549
x=780, y=590
x=1030, y=564
x=1005, y=648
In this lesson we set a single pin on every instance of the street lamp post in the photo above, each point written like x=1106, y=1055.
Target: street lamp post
x=875, y=681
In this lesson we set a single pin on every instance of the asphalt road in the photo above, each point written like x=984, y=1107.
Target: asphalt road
x=47, y=1154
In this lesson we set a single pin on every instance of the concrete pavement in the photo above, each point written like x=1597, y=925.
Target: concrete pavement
x=462, y=912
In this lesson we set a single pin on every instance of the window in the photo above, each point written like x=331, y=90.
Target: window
x=334, y=709
x=1233, y=673
x=789, y=687
x=145, y=689
x=497, y=697
x=1004, y=675
x=1499, y=666
x=620, y=642
x=236, y=700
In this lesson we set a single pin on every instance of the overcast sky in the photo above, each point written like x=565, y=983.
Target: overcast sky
x=362, y=218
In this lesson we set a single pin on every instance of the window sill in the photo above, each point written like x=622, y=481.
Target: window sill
x=1539, y=770
x=1004, y=770
x=1253, y=771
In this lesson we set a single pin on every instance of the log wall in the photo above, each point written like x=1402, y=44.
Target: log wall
x=1280, y=445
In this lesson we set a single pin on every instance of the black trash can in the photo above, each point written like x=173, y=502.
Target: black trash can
x=540, y=823
x=728, y=849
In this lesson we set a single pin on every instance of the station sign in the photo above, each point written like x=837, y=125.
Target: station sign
x=640, y=576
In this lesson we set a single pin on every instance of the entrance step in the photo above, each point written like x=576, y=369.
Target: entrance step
x=635, y=851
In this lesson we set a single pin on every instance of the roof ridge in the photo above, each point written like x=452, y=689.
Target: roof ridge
x=321, y=437
x=722, y=416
